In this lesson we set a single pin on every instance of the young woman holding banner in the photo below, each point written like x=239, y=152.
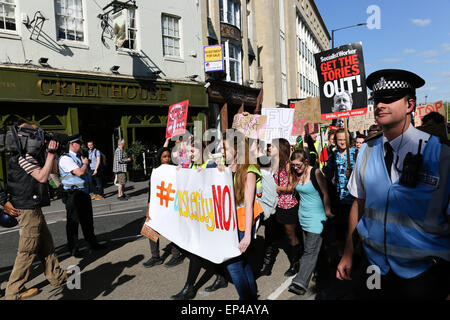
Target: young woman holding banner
x=195, y=262
x=247, y=185
x=162, y=157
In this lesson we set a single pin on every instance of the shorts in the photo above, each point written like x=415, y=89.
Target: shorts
x=121, y=178
x=287, y=216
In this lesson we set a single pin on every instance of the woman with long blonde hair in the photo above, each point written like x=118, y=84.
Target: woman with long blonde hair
x=247, y=185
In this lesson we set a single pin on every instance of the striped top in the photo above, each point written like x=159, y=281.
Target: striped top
x=29, y=164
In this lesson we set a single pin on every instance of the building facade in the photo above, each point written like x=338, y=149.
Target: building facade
x=232, y=24
x=289, y=34
x=105, y=69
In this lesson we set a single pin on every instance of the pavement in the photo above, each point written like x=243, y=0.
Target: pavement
x=136, y=191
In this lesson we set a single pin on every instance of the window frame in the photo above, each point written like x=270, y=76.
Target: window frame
x=3, y=17
x=65, y=17
x=236, y=12
x=174, y=37
x=226, y=44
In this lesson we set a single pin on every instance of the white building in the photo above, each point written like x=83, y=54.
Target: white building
x=61, y=68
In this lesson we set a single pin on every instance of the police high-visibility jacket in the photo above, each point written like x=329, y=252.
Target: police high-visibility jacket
x=404, y=228
x=71, y=181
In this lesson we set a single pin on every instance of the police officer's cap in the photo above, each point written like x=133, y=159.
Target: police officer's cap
x=393, y=83
x=76, y=138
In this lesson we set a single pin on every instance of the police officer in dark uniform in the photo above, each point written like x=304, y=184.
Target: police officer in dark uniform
x=401, y=185
x=73, y=169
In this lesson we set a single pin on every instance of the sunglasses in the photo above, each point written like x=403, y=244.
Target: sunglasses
x=296, y=166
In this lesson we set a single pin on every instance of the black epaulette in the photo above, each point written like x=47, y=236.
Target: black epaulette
x=374, y=136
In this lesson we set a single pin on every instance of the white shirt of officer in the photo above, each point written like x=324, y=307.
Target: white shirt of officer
x=67, y=164
x=404, y=143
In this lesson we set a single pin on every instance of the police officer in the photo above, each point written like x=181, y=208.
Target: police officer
x=402, y=188
x=75, y=179
x=27, y=192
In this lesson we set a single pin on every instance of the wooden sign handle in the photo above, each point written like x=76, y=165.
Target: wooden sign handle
x=347, y=142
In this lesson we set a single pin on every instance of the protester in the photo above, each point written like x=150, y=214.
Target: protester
x=287, y=209
x=247, y=185
x=269, y=202
x=313, y=210
x=190, y=288
x=95, y=171
x=339, y=169
x=27, y=174
x=360, y=138
x=313, y=147
x=328, y=151
x=162, y=157
x=120, y=169
x=401, y=210
x=434, y=124
x=73, y=169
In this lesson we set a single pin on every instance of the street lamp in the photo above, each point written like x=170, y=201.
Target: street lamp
x=332, y=31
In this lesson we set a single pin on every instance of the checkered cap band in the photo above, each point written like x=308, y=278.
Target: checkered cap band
x=382, y=84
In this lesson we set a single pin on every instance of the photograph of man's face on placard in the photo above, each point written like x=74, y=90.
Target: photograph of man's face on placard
x=342, y=102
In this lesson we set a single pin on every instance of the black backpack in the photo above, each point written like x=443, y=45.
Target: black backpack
x=312, y=177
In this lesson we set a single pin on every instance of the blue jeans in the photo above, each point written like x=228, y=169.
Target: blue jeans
x=242, y=275
x=96, y=183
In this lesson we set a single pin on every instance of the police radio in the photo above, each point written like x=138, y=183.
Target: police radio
x=411, y=168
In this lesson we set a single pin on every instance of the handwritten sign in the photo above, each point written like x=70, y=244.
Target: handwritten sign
x=177, y=119
x=361, y=123
x=423, y=110
x=195, y=210
x=252, y=126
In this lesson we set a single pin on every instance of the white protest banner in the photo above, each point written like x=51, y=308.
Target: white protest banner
x=279, y=124
x=195, y=210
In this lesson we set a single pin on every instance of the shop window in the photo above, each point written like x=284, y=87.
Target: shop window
x=7, y=15
x=171, y=35
x=69, y=20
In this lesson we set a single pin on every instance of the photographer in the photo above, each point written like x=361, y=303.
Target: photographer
x=27, y=192
x=74, y=173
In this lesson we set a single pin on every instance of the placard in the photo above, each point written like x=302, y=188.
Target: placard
x=252, y=126
x=177, y=119
x=342, y=82
x=422, y=110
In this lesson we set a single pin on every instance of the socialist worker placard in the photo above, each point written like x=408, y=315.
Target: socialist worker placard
x=342, y=82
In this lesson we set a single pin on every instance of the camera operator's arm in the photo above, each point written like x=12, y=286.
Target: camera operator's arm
x=81, y=171
x=43, y=173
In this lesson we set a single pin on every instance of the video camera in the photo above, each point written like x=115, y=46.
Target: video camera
x=30, y=140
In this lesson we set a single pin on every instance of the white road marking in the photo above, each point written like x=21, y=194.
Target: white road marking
x=274, y=295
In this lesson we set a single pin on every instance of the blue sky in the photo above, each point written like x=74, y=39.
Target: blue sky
x=413, y=35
